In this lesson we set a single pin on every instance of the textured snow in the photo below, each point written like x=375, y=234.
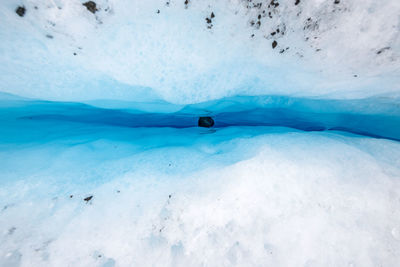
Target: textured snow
x=128, y=51
x=181, y=197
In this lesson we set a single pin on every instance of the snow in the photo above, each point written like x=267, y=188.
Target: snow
x=240, y=196
x=102, y=162
x=127, y=51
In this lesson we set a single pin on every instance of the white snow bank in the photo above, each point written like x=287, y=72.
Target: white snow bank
x=129, y=51
x=239, y=196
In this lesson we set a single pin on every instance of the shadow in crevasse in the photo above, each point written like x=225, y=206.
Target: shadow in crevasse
x=378, y=118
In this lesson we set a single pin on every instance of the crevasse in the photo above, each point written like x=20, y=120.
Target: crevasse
x=102, y=162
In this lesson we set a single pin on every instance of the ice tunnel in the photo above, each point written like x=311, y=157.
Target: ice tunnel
x=296, y=161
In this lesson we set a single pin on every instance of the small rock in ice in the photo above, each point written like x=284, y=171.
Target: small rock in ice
x=20, y=11
x=91, y=6
x=206, y=122
x=87, y=199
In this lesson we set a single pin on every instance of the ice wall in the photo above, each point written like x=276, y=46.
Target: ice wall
x=375, y=117
x=241, y=196
x=148, y=50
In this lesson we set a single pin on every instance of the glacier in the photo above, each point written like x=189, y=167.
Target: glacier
x=103, y=163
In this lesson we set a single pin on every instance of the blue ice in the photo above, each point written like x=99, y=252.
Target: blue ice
x=372, y=117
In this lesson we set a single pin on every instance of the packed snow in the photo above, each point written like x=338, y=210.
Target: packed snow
x=128, y=51
x=102, y=162
x=184, y=197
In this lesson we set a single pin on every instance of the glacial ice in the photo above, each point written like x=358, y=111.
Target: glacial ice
x=102, y=162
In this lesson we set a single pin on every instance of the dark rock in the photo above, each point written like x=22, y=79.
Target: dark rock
x=49, y=36
x=20, y=11
x=336, y=2
x=382, y=50
x=206, y=122
x=91, y=6
x=297, y=2
x=158, y=11
x=71, y=196
x=273, y=3
x=208, y=20
x=87, y=199
x=74, y=54
x=212, y=15
x=274, y=44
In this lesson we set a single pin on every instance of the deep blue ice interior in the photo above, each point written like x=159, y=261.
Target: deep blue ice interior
x=377, y=118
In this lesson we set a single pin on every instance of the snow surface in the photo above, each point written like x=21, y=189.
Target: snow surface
x=128, y=51
x=246, y=196
x=101, y=162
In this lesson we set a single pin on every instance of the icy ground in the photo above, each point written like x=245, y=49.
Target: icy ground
x=84, y=186
x=102, y=162
x=246, y=196
x=136, y=50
